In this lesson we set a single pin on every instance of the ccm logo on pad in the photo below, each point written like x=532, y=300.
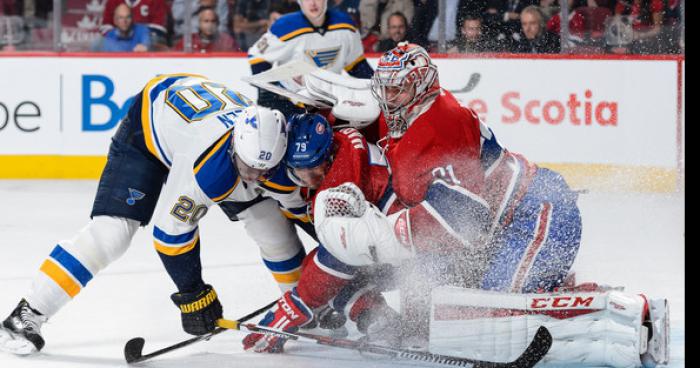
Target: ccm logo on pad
x=561, y=302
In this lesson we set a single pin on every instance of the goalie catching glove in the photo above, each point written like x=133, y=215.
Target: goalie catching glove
x=356, y=232
x=289, y=314
x=199, y=309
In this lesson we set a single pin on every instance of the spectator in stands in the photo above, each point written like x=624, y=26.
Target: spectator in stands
x=647, y=23
x=472, y=38
x=398, y=28
x=208, y=38
x=178, y=11
x=125, y=36
x=152, y=13
x=577, y=22
x=534, y=37
x=250, y=21
x=374, y=15
x=504, y=16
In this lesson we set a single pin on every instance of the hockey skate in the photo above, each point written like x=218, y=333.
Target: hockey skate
x=20, y=333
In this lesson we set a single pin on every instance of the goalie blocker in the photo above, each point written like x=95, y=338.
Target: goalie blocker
x=600, y=328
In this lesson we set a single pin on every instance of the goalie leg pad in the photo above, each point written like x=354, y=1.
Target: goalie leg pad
x=588, y=329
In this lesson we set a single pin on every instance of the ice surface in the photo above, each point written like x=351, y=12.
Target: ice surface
x=634, y=240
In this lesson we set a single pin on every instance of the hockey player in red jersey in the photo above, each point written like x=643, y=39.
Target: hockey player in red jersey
x=318, y=159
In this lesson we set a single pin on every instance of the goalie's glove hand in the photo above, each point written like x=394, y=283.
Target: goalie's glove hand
x=289, y=314
x=199, y=310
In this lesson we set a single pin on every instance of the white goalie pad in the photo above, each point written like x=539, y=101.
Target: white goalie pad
x=588, y=328
x=350, y=99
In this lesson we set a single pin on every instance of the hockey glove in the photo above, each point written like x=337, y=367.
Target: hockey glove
x=199, y=310
x=289, y=314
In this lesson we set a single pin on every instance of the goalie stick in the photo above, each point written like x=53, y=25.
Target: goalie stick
x=133, y=350
x=535, y=351
x=471, y=84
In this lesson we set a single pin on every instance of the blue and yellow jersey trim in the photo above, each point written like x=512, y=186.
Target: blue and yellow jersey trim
x=214, y=170
x=286, y=271
x=256, y=60
x=175, y=245
x=354, y=63
x=152, y=90
x=299, y=213
x=66, y=271
x=279, y=183
x=292, y=25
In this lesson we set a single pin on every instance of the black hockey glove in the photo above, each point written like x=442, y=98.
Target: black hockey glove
x=199, y=310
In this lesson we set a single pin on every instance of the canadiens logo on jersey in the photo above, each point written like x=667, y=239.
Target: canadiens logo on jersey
x=325, y=57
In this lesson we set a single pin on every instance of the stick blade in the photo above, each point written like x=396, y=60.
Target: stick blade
x=133, y=350
x=537, y=349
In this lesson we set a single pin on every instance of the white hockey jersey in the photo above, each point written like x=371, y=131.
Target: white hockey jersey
x=187, y=122
x=335, y=46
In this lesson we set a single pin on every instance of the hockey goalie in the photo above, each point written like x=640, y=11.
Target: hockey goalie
x=479, y=240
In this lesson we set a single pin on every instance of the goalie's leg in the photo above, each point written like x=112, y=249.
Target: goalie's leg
x=536, y=250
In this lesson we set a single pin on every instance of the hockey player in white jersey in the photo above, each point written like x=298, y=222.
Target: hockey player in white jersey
x=325, y=38
x=214, y=146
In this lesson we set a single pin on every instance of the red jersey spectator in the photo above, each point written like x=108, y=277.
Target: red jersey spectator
x=208, y=38
x=646, y=13
x=647, y=18
x=577, y=22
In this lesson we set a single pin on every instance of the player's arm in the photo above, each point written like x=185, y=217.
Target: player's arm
x=357, y=65
x=271, y=48
x=176, y=239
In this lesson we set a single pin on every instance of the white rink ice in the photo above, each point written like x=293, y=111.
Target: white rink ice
x=633, y=240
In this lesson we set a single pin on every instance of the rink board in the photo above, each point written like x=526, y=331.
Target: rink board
x=606, y=123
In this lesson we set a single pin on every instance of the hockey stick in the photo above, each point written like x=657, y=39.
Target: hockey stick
x=471, y=84
x=536, y=350
x=133, y=350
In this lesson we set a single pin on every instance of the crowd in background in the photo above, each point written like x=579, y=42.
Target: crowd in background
x=470, y=26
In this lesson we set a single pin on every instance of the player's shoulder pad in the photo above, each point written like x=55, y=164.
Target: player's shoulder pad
x=214, y=170
x=279, y=183
x=340, y=20
x=290, y=26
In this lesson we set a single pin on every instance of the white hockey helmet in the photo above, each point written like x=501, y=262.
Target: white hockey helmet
x=405, y=75
x=259, y=142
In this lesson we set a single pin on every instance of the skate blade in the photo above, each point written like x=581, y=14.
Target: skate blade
x=15, y=344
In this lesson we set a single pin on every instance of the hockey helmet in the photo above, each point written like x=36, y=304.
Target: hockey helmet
x=259, y=142
x=310, y=148
x=403, y=77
